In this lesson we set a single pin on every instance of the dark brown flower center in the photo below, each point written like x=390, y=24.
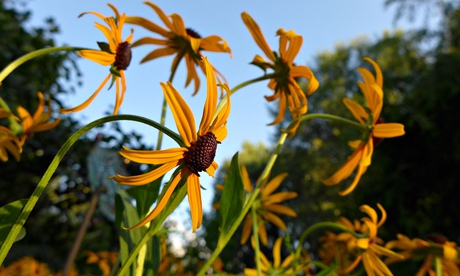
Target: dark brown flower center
x=192, y=33
x=201, y=153
x=122, y=56
x=439, y=239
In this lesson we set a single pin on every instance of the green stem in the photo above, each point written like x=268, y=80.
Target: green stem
x=319, y=225
x=241, y=85
x=224, y=238
x=55, y=162
x=438, y=266
x=164, y=106
x=255, y=231
x=15, y=64
x=331, y=117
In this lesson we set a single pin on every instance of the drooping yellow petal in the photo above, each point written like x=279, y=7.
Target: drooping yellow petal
x=160, y=14
x=194, y=199
x=281, y=110
x=192, y=74
x=215, y=43
x=150, y=40
x=161, y=204
x=88, y=101
x=305, y=72
x=212, y=168
x=347, y=168
x=388, y=130
x=378, y=72
x=149, y=25
x=183, y=116
x=359, y=173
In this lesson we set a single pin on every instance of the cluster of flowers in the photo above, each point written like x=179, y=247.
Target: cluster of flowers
x=357, y=242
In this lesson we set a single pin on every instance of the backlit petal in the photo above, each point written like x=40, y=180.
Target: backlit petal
x=388, y=130
x=256, y=33
x=273, y=184
x=142, y=179
x=211, y=99
x=153, y=157
x=103, y=58
x=194, y=199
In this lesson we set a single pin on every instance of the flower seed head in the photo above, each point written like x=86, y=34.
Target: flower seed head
x=192, y=33
x=122, y=56
x=201, y=153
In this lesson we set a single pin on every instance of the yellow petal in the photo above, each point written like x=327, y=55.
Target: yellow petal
x=211, y=99
x=305, y=72
x=247, y=229
x=246, y=180
x=153, y=157
x=388, y=130
x=277, y=252
x=275, y=220
x=194, y=199
x=160, y=14
x=212, y=168
x=147, y=24
x=359, y=173
x=346, y=169
x=161, y=52
x=150, y=40
x=281, y=110
x=262, y=232
x=378, y=72
x=142, y=179
x=215, y=43
x=256, y=33
x=178, y=26
x=183, y=116
x=279, y=197
x=100, y=57
x=357, y=110
x=273, y=184
x=88, y=101
x=191, y=73
x=280, y=209
x=161, y=204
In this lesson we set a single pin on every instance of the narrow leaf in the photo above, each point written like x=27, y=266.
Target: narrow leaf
x=231, y=202
x=8, y=216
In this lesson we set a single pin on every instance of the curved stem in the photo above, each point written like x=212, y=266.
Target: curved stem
x=255, y=231
x=331, y=117
x=241, y=85
x=55, y=162
x=15, y=64
x=14, y=125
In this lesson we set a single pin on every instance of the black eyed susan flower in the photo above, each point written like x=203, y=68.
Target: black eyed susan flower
x=434, y=247
x=38, y=122
x=267, y=206
x=197, y=155
x=370, y=116
x=369, y=249
x=116, y=54
x=180, y=41
x=284, y=84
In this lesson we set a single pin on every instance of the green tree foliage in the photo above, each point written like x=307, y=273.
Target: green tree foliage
x=53, y=225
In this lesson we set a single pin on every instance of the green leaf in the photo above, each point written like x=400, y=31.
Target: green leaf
x=126, y=216
x=8, y=216
x=104, y=46
x=231, y=201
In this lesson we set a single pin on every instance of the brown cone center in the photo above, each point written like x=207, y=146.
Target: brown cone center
x=201, y=153
x=122, y=56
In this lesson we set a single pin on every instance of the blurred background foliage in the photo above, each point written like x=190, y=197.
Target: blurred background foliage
x=414, y=177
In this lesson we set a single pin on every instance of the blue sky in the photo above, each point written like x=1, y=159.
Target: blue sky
x=322, y=24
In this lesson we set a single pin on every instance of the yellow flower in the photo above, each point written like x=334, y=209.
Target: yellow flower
x=104, y=259
x=370, y=116
x=284, y=84
x=117, y=54
x=267, y=206
x=9, y=143
x=179, y=40
x=368, y=249
x=435, y=247
x=38, y=122
x=197, y=156
x=278, y=267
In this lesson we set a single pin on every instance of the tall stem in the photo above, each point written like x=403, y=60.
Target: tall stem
x=255, y=231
